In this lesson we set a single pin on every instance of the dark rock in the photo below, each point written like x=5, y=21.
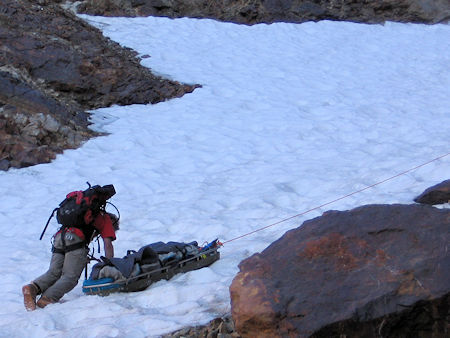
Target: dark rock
x=53, y=67
x=374, y=271
x=17, y=93
x=34, y=127
x=268, y=11
x=75, y=60
x=222, y=327
x=437, y=194
x=424, y=319
x=4, y=164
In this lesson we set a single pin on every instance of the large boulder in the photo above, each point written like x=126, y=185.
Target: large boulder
x=374, y=271
x=437, y=194
x=268, y=11
x=53, y=67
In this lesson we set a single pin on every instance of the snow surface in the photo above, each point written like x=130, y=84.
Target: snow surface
x=290, y=116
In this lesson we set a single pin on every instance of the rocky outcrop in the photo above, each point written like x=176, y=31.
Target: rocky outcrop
x=268, y=11
x=374, y=271
x=34, y=127
x=437, y=194
x=53, y=67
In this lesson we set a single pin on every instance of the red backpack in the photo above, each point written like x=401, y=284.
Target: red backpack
x=80, y=208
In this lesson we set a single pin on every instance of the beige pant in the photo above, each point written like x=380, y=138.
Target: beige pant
x=65, y=269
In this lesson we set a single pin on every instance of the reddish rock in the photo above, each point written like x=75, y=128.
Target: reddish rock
x=437, y=194
x=377, y=270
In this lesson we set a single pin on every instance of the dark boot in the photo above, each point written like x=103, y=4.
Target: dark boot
x=44, y=301
x=29, y=292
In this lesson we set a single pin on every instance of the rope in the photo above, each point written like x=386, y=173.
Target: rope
x=337, y=199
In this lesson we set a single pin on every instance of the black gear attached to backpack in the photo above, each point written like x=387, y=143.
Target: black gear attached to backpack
x=79, y=209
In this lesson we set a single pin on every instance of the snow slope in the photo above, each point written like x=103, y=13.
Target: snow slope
x=290, y=116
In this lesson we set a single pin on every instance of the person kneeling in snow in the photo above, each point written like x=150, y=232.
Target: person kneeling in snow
x=69, y=258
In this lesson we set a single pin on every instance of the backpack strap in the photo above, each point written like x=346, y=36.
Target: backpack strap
x=63, y=237
x=46, y=225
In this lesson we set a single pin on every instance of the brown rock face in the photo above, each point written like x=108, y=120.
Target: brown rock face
x=53, y=66
x=374, y=271
x=268, y=11
x=437, y=194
